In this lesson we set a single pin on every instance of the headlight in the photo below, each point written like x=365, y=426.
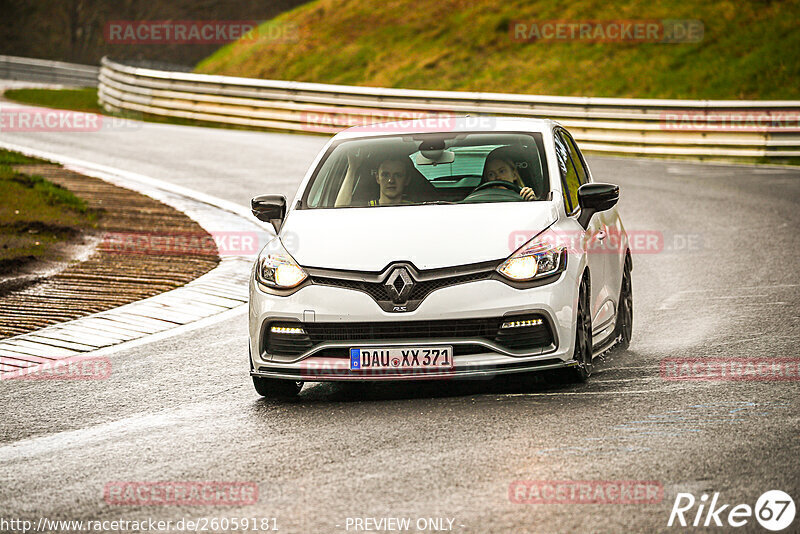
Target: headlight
x=275, y=268
x=537, y=258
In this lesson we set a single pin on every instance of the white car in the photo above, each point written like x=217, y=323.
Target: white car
x=464, y=247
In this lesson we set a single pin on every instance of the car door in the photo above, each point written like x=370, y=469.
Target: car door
x=606, y=246
x=591, y=238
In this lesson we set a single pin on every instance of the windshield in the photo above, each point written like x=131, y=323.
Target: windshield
x=430, y=169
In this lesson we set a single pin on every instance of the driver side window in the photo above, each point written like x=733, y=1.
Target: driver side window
x=570, y=181
x=577, y=158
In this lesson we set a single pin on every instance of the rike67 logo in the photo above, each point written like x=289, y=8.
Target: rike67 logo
x=774, y=510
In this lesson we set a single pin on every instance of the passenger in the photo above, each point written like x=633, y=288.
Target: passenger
x=392, y=179
x=498, y=167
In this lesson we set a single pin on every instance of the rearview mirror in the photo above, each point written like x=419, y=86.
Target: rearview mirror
x=433, y=152
x=596, y=197
x=269, y=208
x=435, y=157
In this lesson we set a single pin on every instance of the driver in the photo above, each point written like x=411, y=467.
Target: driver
x=498, y=168
x=392, y=178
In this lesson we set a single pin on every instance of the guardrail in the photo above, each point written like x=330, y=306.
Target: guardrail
x=706, y=129
x=42, y=70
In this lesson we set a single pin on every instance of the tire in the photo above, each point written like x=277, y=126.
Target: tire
x=275, y=388
x=583, y=341
x=624, y=327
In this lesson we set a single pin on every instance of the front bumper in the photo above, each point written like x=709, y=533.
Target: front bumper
x=320, y=370
x=475, y=300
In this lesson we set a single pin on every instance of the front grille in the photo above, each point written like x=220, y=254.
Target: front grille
x=423, y=289
x=378, y=291
x=394, y=330
x=520, y=338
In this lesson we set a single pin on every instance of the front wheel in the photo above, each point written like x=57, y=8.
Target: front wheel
x=625, y=310
x=275, y=388
x=583, y=341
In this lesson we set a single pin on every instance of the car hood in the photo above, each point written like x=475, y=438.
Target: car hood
x=369, y=239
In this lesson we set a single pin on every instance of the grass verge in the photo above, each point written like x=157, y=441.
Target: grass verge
x=36, y=216
x=84, y=99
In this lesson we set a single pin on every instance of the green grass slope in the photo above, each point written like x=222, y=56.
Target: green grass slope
x=750, y=49
x=36, y=215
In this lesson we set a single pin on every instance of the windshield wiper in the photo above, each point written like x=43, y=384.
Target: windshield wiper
x=433, y=203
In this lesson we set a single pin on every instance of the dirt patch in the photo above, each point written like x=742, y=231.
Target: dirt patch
x=26, y=271
x=111, y=276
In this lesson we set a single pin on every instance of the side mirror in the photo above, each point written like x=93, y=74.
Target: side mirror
x=269, y=208
x=596, y=197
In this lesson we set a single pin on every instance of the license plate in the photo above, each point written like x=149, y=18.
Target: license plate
x=400, y=358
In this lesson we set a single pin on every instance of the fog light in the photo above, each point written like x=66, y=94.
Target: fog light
x=519, y=324
x=296, y=330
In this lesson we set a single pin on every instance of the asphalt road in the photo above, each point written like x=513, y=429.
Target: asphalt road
x=183, y=408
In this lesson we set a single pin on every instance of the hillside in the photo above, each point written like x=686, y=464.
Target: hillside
x=74, y=30
x=748, y=49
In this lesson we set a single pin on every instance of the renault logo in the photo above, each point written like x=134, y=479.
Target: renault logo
x=399, y=285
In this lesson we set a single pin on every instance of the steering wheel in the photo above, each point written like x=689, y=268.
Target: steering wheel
x=497, y=183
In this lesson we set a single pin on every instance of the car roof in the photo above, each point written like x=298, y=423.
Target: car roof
x=448, y=124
